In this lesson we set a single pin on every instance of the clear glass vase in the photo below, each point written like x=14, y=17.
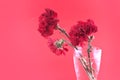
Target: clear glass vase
x=95, y=63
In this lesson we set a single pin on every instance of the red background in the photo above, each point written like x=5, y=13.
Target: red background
x=24, y=54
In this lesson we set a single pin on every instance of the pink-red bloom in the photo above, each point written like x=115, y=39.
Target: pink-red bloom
x=57, y=48
x=90, y=27
x=79, y=33
x=47, y=22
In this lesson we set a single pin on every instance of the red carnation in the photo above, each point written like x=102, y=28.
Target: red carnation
x=47, y=22
x=57, y=46
x=90, y=27
x=79, y=33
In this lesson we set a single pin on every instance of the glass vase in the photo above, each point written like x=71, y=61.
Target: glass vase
x=95, y=58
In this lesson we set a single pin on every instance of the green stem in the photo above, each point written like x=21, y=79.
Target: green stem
x=63, y=31
x=89, y=51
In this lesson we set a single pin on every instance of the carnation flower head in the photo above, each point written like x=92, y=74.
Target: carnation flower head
x=79, y=33
x=57, y=46
x=90, y=27
x=47, y=22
